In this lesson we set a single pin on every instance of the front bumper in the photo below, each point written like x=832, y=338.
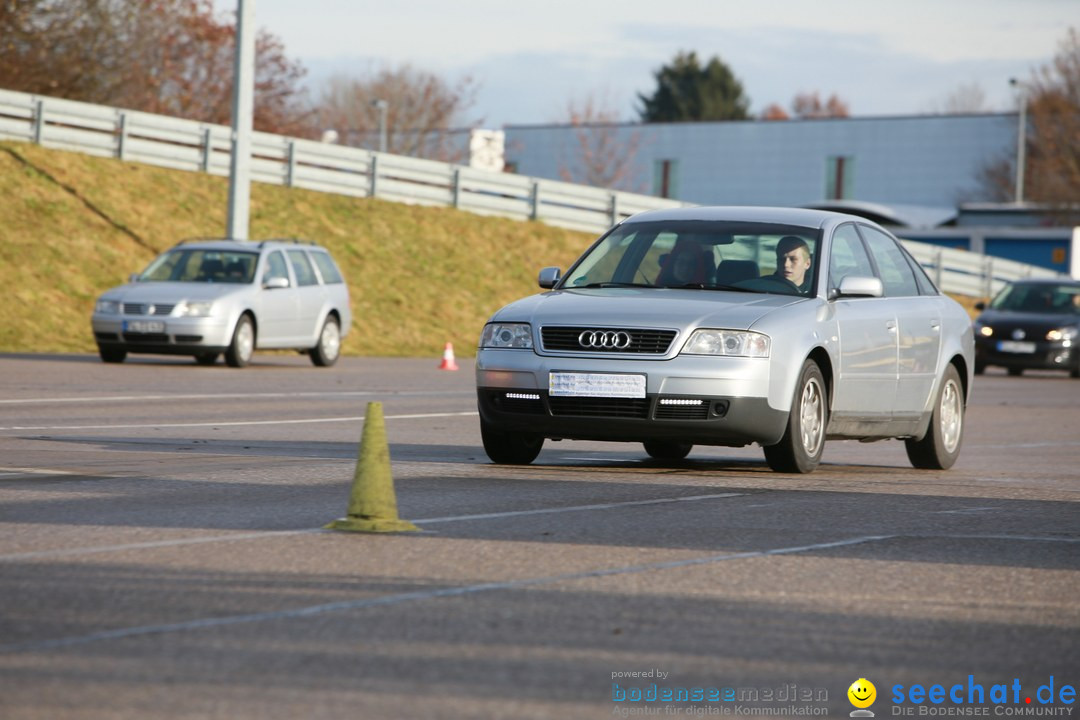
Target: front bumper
x=698, y=400
x=180, y=336
x=1060, y=355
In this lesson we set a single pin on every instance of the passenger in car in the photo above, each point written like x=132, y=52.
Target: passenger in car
x=793, y=260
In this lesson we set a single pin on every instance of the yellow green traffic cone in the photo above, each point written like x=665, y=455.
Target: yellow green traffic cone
x=372, y=503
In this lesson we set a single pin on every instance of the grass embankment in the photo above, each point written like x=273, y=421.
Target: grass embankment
x=73, y=225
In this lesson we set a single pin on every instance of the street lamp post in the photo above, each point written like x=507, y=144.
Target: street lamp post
x=382, y=106
x=1021, y=140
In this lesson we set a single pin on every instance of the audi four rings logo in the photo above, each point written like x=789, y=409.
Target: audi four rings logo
x=604, y=340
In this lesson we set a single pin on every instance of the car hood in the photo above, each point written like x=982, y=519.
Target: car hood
x=1030, y=321
x=172, y=292
x=645, y=307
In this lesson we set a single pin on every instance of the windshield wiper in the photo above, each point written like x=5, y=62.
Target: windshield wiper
x=700, y=286
x=611, y=285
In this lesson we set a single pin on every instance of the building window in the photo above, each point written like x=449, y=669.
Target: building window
x=839, y=177
x=666, y=178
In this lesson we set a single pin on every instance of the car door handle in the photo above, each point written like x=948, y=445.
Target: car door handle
x=891, y=325
x=935, y=325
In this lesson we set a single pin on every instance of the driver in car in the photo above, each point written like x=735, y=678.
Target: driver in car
x=792, y=261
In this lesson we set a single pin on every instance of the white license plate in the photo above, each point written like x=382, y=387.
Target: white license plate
x=567, y=384
x=144, y=326
x=1013, y=346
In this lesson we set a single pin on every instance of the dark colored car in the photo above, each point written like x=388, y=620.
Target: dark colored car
x=1031, y=324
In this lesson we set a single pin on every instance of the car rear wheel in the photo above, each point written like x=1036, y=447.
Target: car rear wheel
x=509, y=448
x=327, y=351
x=242, y=346
x=799, y=450
x=1016, y=372
x=206, y=358
x=112, y=355
x=667, y=450
x=940, y=447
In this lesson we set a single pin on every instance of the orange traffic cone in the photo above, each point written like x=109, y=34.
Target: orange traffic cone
x=448, y=362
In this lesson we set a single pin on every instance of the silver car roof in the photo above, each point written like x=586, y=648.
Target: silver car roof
x=779, y=215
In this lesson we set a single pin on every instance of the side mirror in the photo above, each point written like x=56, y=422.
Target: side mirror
x=856, y=286
x=549, y=277
x=133, y=277
x=276, y=283
x=980, y=305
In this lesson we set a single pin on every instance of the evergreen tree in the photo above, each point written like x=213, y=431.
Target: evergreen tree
x=687, y=92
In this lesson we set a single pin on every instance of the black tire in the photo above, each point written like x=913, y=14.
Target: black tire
x=940, y=447
x=242, y=346
x=206, y=358
x=980, y=368
x=1016, y=372
x=800, y=449
x=328, y=349
x=510, y=448
x=112, y=355
x=667, y=449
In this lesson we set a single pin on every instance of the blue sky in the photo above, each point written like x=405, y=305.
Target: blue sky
x=529, y=60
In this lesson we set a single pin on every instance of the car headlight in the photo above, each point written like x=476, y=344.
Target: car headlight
x=1065, y=333
x=984, y=330
x=507, y=335
x=733, y=343
x=195, y=309
x=107, y=307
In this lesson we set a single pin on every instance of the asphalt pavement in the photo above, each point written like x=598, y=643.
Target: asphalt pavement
x=162, y=556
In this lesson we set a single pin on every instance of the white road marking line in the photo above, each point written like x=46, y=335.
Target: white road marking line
x=577, y=508
x=396, y=599
x=282, y=533
x=237, y=423
x=230, y=396
x=32, y=471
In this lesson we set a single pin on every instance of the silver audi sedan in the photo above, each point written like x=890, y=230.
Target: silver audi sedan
x=731, y=326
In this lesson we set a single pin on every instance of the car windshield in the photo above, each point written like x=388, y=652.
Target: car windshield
x=202, y=265
x=705, y=255
x=1043, y=298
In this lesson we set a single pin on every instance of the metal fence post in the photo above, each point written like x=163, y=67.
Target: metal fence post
x=122, y=141
x=988, y=277
x=456, y=189
x=290, y=171
x=39, y=121
x=614, y=207
x=208, y=149
x=373, y=170
x=939, y=258
x=534, y=213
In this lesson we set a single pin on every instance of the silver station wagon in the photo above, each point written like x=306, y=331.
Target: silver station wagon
x=731, y=326
x=228, y=297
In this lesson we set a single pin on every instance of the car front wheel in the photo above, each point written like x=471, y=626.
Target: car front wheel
x=667, y=450
x=940, y=447
x=242, y=346
x=111, y=355
x=799, y=450
x=509, y=448
x=327, y=351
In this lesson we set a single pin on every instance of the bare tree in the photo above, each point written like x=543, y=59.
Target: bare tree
x=165, y=56
x=602, y=156
x=774, y=112
x=422, y=110
x=965, y=98
x=809, y=105
x=1052, y=168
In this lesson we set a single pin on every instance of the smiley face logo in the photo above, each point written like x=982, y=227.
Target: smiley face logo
x=862, y=693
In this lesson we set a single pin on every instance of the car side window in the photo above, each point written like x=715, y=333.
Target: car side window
x=305, y=274
x=848, y=257
x=327, y=269
x=896, y=274
x=275, y=267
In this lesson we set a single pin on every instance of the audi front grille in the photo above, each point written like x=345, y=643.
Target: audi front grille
x=607, y=340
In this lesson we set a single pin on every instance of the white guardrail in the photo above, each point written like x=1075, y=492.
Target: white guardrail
x=278, y=160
